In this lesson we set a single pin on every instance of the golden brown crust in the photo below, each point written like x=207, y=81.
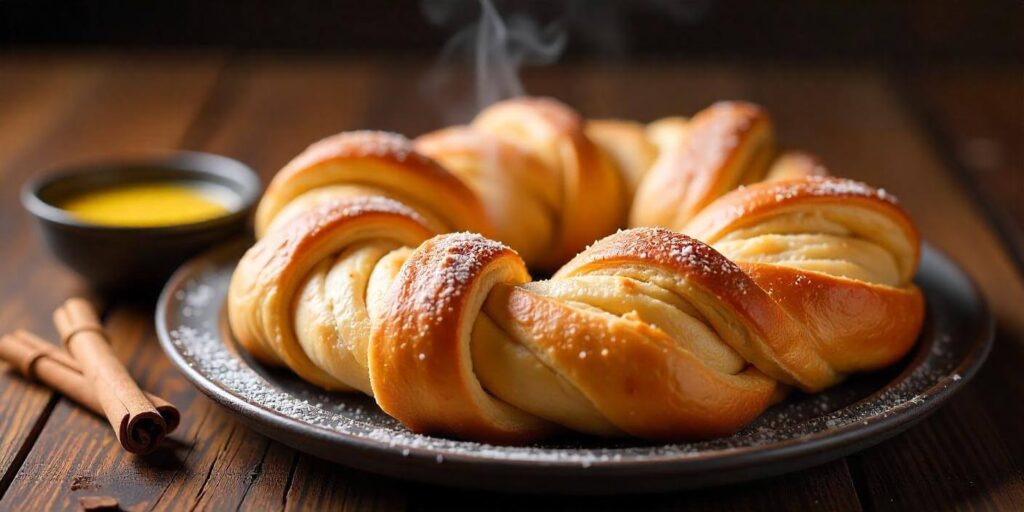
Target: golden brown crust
x=592, y=202
x=636, y=375
x=857, y=325
x=519, y=192
x=632, y=372
x=723, y=146
x=383, y=161
x=651, y=333
x=798, y=327
x=751, y=203
x=769, y=338
x=755, y=203
x=271, y=272
x=420, y=364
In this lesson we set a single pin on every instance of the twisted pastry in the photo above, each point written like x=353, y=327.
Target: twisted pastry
x=300, y=296
x=368, y=164
x=651, y=333
x=549, y=189
x=648, y=332
x=837, y=255
x=724, y=146
x=532, y=174
x=524, y=171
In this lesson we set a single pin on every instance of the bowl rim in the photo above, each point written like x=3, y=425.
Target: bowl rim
x=249, y=187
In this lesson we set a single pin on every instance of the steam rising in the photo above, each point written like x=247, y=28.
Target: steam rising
x=480, y=64
x=496, y=48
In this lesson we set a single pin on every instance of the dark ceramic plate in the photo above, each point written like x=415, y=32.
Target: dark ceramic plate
x=803, y=431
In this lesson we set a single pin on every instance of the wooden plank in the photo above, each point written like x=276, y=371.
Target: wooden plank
x=976, y=121
x=35, y=94
x=278, y=107
x=114, y=114
x=823, y=488
x=317, y=486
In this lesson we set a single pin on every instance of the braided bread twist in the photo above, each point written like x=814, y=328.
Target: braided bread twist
x=724, y=146
x=647, y=333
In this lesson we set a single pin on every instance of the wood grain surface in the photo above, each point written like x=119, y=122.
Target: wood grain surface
x=888, y=129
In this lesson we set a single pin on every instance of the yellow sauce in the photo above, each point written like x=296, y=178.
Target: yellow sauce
x=144, y=205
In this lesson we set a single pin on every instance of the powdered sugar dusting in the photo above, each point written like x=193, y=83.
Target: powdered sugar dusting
x=370, y=143
x=359, y=205
x=358, y=144
x=672, y=248
x=274, y=251
x=454, y=260
x=824, y=186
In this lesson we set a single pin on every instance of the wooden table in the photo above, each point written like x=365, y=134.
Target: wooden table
x=948, y=142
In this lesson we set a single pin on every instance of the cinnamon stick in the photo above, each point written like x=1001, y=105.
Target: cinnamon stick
x=135, y=419
x=39, y=360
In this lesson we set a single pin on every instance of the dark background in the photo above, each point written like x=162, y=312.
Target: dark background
x=892, y=32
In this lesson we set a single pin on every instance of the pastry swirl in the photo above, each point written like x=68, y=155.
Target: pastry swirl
x=359, y=283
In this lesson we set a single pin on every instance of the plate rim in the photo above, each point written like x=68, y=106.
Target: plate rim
x=797, y=452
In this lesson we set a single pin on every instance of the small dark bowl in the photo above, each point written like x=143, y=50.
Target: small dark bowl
x=137, y=260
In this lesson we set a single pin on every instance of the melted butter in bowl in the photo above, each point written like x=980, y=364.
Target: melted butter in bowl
x=126, y=225
x=165, y=203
